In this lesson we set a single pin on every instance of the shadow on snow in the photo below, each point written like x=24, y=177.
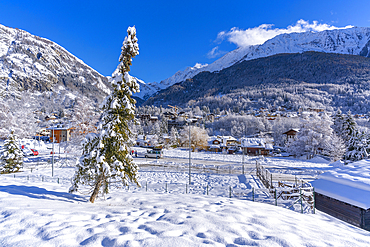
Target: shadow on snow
x=41, y=193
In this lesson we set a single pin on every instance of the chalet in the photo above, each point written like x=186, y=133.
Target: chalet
x=147, y=118
x=345, y=194
x=146, y=140
x=318, y=110
x=59, y=134
x=290, y=134
x=50, y=118
x=254, y=146
x=214, y=144
x=210, y=117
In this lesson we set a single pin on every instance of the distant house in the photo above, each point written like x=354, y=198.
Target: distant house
x=255, y=146
x=290, y=134
x=147, y=118
x=210, y=117
x=345, y=194
x=214, y=144
x=147, y=140
x=50, y=118
x=59, y=134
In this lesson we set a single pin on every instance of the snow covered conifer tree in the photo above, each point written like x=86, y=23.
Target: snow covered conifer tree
x=11, y=158
x=106, y=157
x=349, y=128
x=338, y=120
x=358, y=146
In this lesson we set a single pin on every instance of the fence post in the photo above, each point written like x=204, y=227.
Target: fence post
x=275, y=198
x=28, y=177
x=14, y=175
x=230, y=191
x=207, y=189
x=300, y=193
x=186, y=185
x=229, y=169
x=42, y=179
x=314, y=201
x=243, y=169
x=271, y=181
x=58, y=180
x=166, y=187
x=146, y=186
x=31, y=170
x=253, y=193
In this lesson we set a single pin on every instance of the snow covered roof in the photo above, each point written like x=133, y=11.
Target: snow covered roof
x=214, y=146
x=253, y=142
x=59, y=127
x=347, y=183
x=269, y=147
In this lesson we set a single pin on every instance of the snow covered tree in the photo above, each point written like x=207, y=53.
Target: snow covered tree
x=338, y=120
x=84, y=120
x=198, y=137
x=334, y=147
x=358, y=146
x=314, y=132
x=106, y=156
x=174, y=138
x=164, y=126
x=11, y=158
x=349, y=128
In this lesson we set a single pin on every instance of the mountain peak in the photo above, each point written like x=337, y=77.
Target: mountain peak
x=29, y=62
x=353, y=41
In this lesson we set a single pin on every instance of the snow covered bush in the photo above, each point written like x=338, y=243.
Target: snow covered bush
x=106, y=158
x=11, y=158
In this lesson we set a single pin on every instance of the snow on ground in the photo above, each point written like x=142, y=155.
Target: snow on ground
x=36, y=210
x=35, y=213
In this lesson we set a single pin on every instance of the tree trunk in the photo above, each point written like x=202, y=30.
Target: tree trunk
x=97, y=188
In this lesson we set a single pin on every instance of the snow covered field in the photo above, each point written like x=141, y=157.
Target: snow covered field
x=36, y=213
x=36, y=210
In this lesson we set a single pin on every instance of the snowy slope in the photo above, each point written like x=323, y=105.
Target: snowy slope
x=354, y=41
x=42, y=213
x=29, y=62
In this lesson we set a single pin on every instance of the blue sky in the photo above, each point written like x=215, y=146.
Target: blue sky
x=172, y=34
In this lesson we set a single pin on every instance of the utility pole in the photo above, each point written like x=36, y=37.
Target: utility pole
x=189, y=155
x=52, y=160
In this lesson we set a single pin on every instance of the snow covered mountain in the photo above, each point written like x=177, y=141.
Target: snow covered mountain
x=354, y=41
x=29, y=62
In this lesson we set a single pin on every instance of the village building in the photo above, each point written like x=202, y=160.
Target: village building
x=59, y=133
x=222, y=144
x=290, y=135
x=146, y=140
x=345, y=194
x=255, y=146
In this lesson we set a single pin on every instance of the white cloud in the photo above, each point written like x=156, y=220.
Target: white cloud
x=215, y=52
x=258, y=35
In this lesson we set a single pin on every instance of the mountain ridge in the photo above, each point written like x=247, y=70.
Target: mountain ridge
x=29, y=62
x=272, y=71
x=354, y=41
